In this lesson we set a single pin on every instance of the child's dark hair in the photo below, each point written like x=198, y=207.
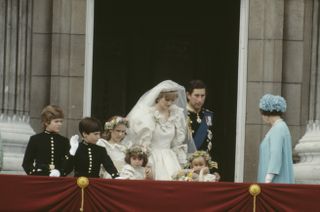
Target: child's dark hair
x=89, y=125
x=49, y=113
x=138, y=152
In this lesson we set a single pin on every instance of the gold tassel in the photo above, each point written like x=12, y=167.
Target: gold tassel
x=254, y=190
x=82, y=182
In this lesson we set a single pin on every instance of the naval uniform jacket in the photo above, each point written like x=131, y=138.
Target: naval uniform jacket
x=46, y=151
x=88, y=159
x=195, y=120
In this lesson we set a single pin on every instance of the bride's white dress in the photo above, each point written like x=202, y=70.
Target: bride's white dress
x=164, y=139
x=164, y=161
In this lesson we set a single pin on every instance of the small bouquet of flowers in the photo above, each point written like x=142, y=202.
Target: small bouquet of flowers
x=186, y=175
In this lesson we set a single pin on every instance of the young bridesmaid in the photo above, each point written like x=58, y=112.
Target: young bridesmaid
x=136, y=167
x=199, y=165
x=112, y=140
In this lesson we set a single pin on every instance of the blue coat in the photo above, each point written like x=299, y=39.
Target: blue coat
x=275, y=155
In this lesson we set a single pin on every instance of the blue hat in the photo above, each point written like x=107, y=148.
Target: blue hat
x=272, y=103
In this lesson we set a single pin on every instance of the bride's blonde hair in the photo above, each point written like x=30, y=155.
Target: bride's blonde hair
x=168, y=95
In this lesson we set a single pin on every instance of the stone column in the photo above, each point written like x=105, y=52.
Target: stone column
x=308, y=148
x=58, y=55
x=265, y=71
x=15, y=57
x=307, y=170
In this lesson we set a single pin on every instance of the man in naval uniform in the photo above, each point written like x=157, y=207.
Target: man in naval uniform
x=200, y=119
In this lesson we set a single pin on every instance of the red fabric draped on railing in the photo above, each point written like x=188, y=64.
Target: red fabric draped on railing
x=32, y=193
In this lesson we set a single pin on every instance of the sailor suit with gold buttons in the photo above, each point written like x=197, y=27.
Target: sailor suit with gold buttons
x=88, y=160
x=200, y=125
x=46, y=151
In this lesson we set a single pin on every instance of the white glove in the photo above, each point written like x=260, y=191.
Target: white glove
x=74, y=143
x=54, y=173
x=269, y=178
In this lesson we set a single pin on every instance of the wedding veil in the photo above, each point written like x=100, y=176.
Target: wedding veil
x=148, y=99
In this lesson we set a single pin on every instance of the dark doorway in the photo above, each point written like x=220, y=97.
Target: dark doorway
x=137, y=45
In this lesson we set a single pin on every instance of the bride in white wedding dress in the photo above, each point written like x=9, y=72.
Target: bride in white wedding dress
x=158, y=123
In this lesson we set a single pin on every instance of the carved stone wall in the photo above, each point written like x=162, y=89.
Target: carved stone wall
x=15, y=61
x=279, y=51
x=58, y=56
x=307, y=170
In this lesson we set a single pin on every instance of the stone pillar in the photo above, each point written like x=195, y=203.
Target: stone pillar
x=278, y=63
x=67, y=62
x=58, y=55
x=265, y=72
x=15, y=57
x=307, y=170
x=308, y=148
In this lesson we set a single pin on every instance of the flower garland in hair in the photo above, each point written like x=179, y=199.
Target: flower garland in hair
x=272, y=103
x=110, y=125
x=137, y=150
x=206, y=156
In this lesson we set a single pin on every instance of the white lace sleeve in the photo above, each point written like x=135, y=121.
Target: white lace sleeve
x=181, y=127
x=141, y=129
x=179, y=146
x=126, y=142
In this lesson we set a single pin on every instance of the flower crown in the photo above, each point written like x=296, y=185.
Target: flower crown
x=110, y=125
x=137, y=150
x=206, y=156
x=272, y=103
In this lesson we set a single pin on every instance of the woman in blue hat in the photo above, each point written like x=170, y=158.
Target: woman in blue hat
x=275, y=154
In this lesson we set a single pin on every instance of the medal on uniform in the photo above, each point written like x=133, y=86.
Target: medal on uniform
x=198, y=118
x=208, y=120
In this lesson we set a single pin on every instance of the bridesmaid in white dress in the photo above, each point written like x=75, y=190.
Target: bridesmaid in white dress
x=158, y=123
x=135, y=168
x=115, y=132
